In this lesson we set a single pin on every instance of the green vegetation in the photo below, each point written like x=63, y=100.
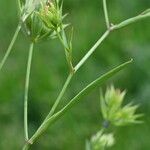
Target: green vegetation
x=48, y=73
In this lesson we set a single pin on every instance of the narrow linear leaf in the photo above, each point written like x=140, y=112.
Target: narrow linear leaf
x=88, y=89
x=99, y=81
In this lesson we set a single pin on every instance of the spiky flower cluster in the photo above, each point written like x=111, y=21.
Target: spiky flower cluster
x=113, y=114
x=112, y=110
x=51, y=14
x=100, y=141
x=42, y=18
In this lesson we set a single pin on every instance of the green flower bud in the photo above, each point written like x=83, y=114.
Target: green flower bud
x=36, y=30
x=102, y=140
x=41, y=19
x=51, y=14
x=112, y=110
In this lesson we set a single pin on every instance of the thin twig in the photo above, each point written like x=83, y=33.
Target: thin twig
x=106, y=14
x=27, y=90
x=130, y=21
x=77, y=99
x=60, y=96
x=10, y=46
x=90, y=52
x=76, y=68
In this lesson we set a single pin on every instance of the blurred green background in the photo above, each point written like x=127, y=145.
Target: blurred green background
x=49, y=72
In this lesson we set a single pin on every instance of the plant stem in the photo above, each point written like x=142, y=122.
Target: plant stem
x=105, y=35
x=60, y=96
x=26, y=146
x=10, y=46
x=27, y=90
x=75, y=100
x=90, y=52
x=130, y=21
x=106, y=14
x=76, y=68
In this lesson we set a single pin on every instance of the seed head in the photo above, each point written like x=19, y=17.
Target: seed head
x=41, y=18
x=36, y=30
x=102, y=140
x=51, y=14
x=112, y=110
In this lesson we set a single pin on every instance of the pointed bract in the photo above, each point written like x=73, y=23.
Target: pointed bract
x=112, y=110
x=102, y=140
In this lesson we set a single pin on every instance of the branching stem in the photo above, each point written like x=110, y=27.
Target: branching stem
x=76, y=100
x=50, y=119
x=90, y=52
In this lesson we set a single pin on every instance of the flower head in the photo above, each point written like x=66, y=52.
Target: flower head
x=51, y=14
x=41, y=18
x=112, y=110
x=35, y=29
x=102, y=140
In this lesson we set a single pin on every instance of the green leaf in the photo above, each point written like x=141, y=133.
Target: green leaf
x=80, y=96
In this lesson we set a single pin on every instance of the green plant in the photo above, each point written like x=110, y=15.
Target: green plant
x=114, y=114
x=42, y=19
x=100, y=141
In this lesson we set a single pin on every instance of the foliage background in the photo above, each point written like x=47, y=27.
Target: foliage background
x=49, y=72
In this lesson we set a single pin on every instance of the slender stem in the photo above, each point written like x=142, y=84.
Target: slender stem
x=10, y=46
x=76, y=68
x=104, y=36
x=90, y=52
x=106, y=14
x=60, y=96
x=27, y=90
x=56, y=116
x=76, y=100
x=130, y=21
x=26, y=146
